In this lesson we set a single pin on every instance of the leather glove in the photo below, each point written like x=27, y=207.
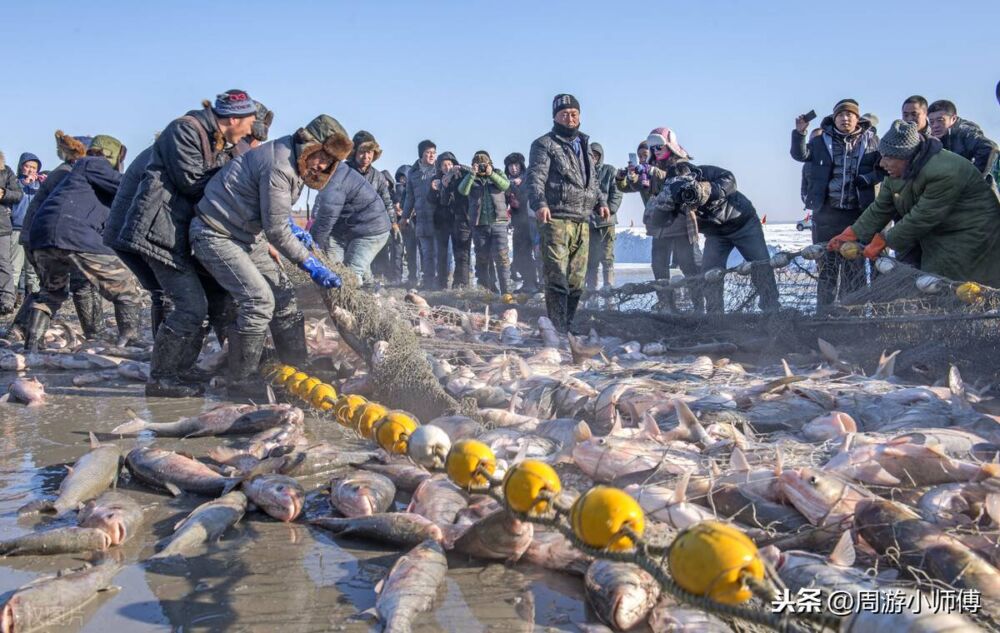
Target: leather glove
x=302, y=234
x=320, y=274
x=875, y=247
x=846, y=236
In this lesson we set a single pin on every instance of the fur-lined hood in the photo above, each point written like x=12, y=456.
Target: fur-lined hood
x=323, y=133
x=70, y=148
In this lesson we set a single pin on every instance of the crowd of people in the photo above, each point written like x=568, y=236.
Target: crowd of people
x=203, y=216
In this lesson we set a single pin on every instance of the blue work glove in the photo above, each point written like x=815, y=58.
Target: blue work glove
x=319, y=273
x=301, y=234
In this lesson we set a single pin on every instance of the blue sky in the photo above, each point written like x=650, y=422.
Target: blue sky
x=728, y=76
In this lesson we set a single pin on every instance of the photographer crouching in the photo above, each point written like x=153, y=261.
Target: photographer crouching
x=726, y=218
x=488, y=216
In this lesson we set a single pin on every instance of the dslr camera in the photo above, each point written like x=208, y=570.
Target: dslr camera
x=481, y=169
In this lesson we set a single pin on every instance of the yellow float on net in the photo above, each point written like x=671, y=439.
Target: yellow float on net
x=969, y=292
x=850, y=250
x=292, y=383
x=304, y=388
x=525, y=481
x=599, y=514
x=393, y=430
x=464, y=460
x=345, y=407
x=711, y=559
x=365, y=417
x=281, y=373
x=323, y=396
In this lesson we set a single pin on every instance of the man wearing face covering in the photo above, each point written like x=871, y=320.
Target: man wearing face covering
x=563, y=190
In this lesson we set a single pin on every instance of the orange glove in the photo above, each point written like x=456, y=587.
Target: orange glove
x=838, y=241
x=875, y=247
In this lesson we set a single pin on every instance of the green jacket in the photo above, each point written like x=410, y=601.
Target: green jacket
x=487, y=203
x=946, y=208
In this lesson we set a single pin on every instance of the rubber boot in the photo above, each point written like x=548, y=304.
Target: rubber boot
x=156, y=312
x=555, y=304
x=165, y=364
x=245, y=381
x=572, y=301
x=127, y=317
x=18, y=329
x=90, y=310
x=38, y=323
x=289, y=337
x=609, y=283
x=186, y=367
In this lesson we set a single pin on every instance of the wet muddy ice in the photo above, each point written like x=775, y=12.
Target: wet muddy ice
x=263, y=575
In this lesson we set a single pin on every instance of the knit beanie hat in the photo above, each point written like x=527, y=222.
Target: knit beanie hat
x=423, y=146
x=871, y=118
x=109, y=147
x=234, y=103
x=562, y=102
x=902, y=140
x=847, y=104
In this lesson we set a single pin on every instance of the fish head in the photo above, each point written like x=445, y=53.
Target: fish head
x=280, y=497
x=111, y=522
x=812, y=492
x=829, y=426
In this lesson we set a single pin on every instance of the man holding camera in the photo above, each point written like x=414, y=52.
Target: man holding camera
x=841, y=164
x=485, y=188
x=564, y=192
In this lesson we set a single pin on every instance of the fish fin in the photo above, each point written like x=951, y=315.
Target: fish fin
x=617, y=426
x=5, y=397
x=788, y=370
x=874, y=473
x=93, y=440
x=173, y=489
x=271, y=397
x=828, y=351
x=232, y=484
x=738, y=461
x=524, y=368
x=886, y=365
x=582, y=432
x=134, y=425
x=680, y=492
x=649, y=427
x=368, y=614
x=779, y=461
x=843, y=553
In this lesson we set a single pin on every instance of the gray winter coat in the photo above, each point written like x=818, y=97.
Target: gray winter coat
x=606, y=182
x=123, y=199
x=556, y=180
x=182, y=163
x=254, y=193
x=348, y=207
x=417, y=206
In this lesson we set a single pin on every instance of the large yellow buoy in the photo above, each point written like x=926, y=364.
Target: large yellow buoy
x=710, y=559
x=365, y=417
x=323, y=397
x=392, y=431
x=525, y=481
x=465, y=458
x=599, y=515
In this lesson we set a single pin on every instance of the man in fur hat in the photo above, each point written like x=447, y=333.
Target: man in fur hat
x=246, y=207
x=188, y=152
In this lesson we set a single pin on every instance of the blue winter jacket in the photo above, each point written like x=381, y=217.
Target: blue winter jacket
x=28, y=191
x=347, y=208
x=73, y=215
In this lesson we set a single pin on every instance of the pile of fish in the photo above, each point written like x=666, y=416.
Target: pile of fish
x=832, y=473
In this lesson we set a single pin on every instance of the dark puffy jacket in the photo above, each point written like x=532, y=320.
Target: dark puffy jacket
x=378, y=181
x=725, y=211
x=11, y=196
x=556, y=181
x=606, y=182
x=51, y=182
x=446, y=201
x=821, y=169
x=521, y=213
x=28, y=192
x=73, y=215
x=156, y=224
x=348, y=207
x=417, y=206
x=966, y=139
x=123, y=199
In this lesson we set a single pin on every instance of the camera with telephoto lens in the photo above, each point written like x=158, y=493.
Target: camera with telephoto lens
x=689, y=193
x=481, y=168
